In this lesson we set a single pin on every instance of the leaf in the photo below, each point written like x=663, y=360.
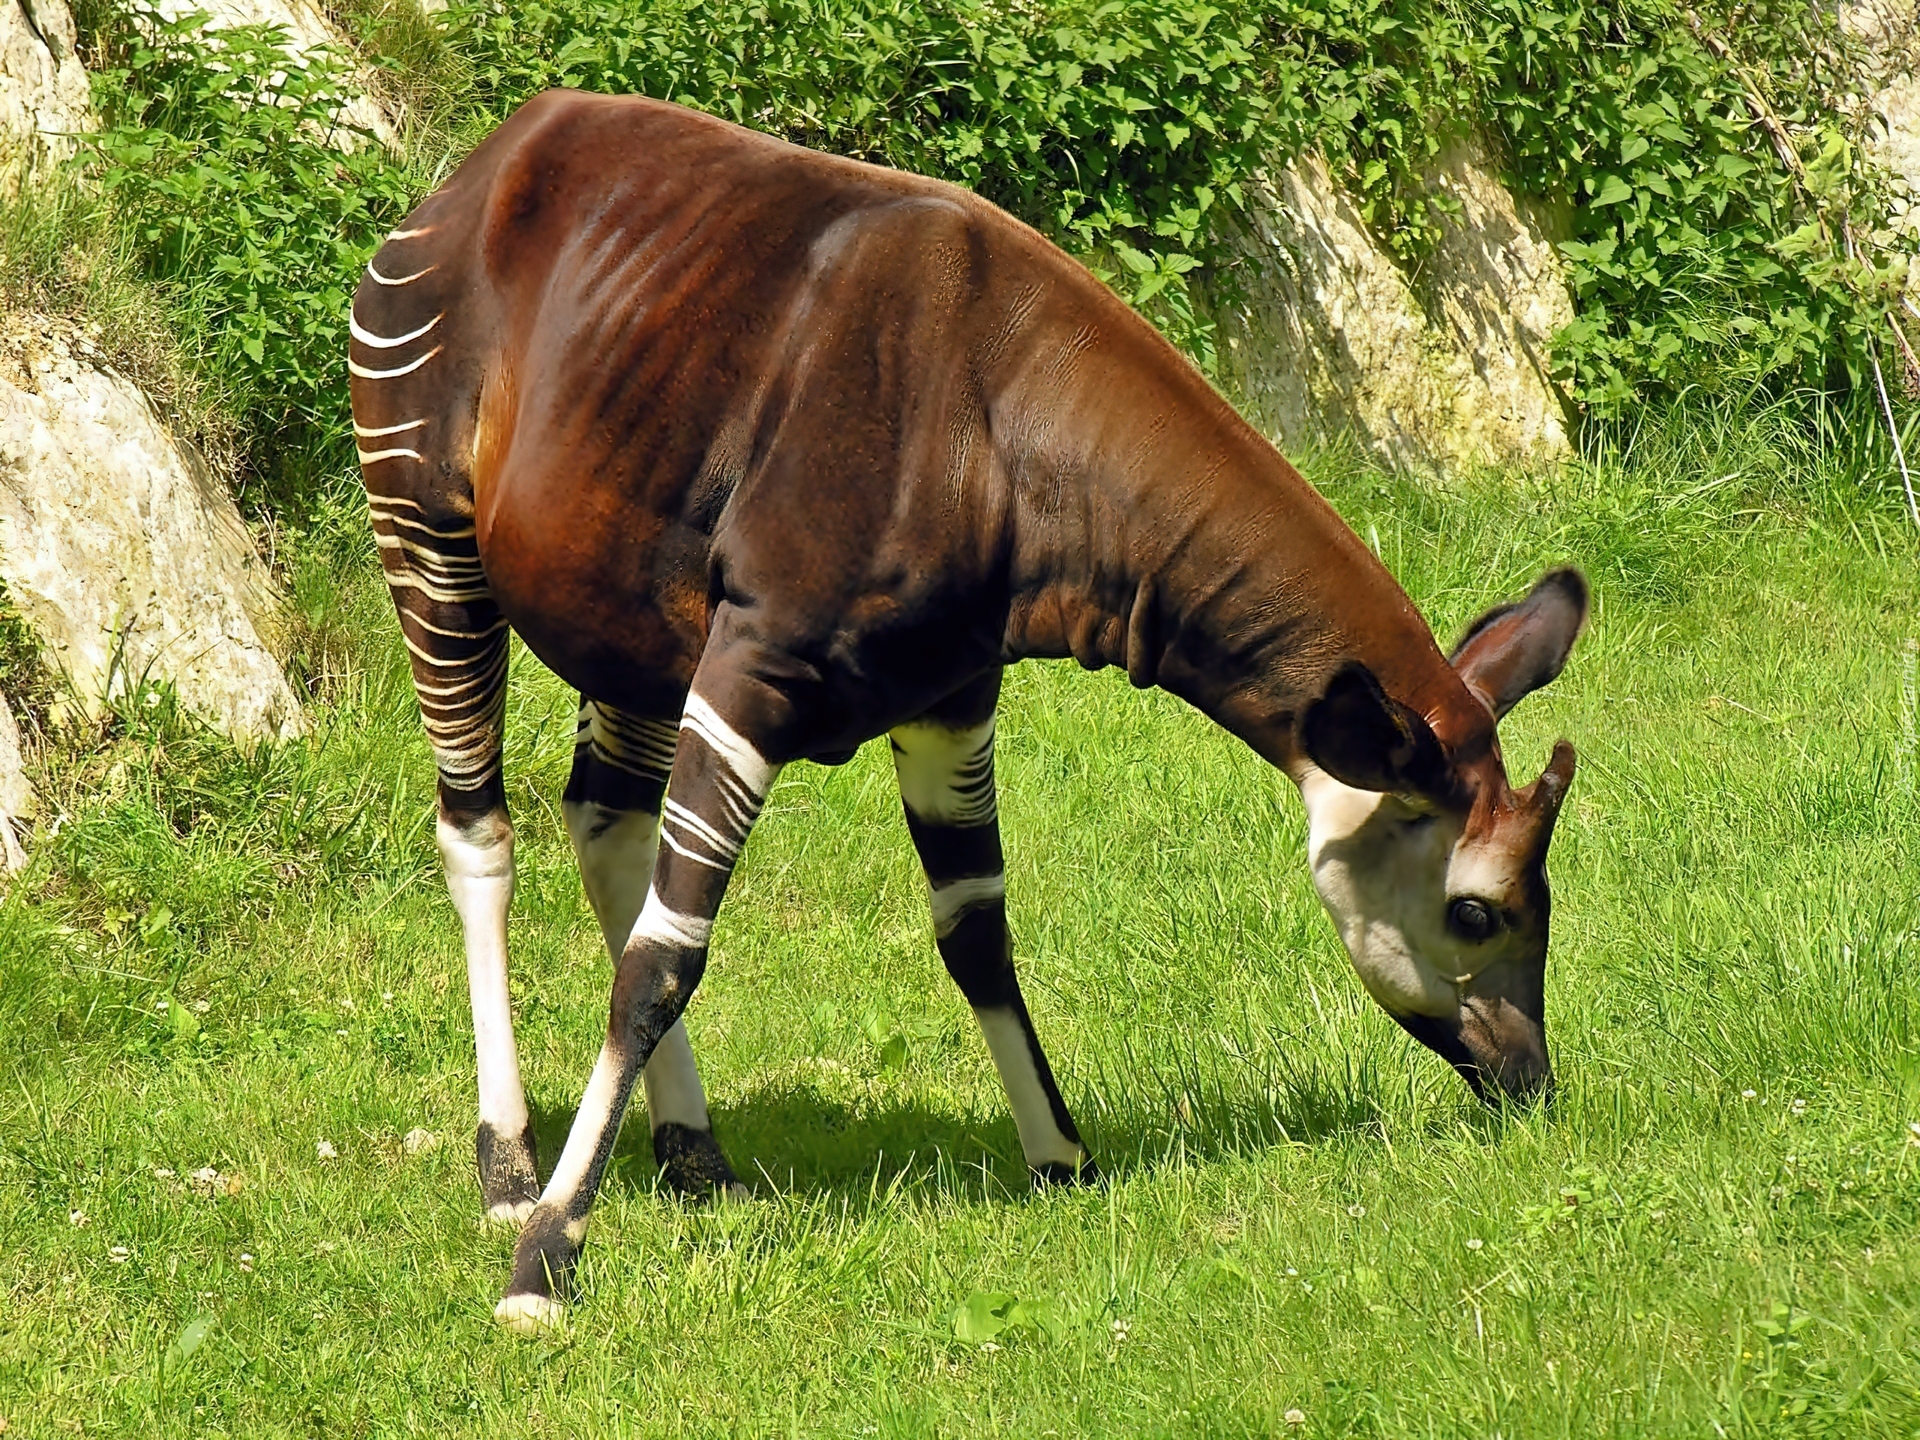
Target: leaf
x=190, y=1338
x=1612, y=191
x=982, y=1316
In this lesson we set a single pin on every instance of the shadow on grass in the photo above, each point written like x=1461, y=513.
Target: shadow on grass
x=791, y=1138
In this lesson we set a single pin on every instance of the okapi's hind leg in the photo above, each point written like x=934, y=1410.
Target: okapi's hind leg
x=612, y=809
x=945, y=764
x=457, y=642
x=720, y=779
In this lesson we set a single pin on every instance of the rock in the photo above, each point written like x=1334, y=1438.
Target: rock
x=1330, y=339
x=16, y=795
x=306, y=29
x=123, y=553
x=44, y=98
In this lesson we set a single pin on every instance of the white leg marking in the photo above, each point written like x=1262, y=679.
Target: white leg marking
x=747, y=763
x=674, y=1093
x=595, y=1117
x=380, y=279
x=531, y=1314
x=953, y=901
x=366, y=374
x=480, y=878
x=1040, y=1137
x=670, y=927
x=616, y=864
x=380, y=342
x=946, y=776
x=365, y=434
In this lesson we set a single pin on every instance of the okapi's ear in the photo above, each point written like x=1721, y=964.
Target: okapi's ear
x=1513, y=650
x=1363, y=737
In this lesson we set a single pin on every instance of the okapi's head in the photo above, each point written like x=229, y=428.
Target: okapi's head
x=1432, y=866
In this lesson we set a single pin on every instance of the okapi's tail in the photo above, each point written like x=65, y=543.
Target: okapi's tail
x=415, y=370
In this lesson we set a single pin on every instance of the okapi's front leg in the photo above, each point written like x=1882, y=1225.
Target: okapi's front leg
x=945, y=764
x=612, y=808
x=720, y=779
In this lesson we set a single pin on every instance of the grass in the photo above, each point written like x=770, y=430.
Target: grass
x=1712, y=1231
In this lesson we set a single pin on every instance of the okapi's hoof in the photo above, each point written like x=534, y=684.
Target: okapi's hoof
x=1058, y=1172
x=692, y=1164
x=509, y=1181
x=531, y=1314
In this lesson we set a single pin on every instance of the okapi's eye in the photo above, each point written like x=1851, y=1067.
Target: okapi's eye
x=1470, y=919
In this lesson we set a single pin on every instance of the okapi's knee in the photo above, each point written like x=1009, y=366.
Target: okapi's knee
x=978, y=954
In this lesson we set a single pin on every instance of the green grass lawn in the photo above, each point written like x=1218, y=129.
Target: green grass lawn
x=1311, y=1228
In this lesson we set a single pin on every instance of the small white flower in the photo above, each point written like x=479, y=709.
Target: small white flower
x=989, y=1348
x=1798, y=1107
x=325, y=1151
x=341, y=1033
x=1295, y=1417
x=119, y=1254
x=1358, y=1212
x=1292, y=1273
x=160, y=1004
x=386, y=995
x=200, y=1007
x=1746, y=1094
x=1475, y=1243
x=246, y=1263
x=1913, y=1132
x=78, y=1219
x=162, y=1173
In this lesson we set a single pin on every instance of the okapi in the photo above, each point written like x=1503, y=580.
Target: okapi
x=769, y=453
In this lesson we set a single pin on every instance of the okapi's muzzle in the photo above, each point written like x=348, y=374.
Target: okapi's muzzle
x=1499, y=1050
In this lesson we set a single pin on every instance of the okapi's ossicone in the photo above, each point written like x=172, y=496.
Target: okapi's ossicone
x=770, y=453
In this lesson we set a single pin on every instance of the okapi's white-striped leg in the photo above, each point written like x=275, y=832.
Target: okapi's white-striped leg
x=946, y=783
x=612, y=809
x=719, y=781
x=457, y=642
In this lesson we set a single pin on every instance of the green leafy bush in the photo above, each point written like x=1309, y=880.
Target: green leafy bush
x=1717, y=240
x=1120, y=129
x=221, y=158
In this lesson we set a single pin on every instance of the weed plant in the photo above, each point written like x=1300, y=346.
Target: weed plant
x=219, y=962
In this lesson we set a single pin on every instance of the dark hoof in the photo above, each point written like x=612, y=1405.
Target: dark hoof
x=1056, y=1172
x=509, y=1180
x=692, y=1165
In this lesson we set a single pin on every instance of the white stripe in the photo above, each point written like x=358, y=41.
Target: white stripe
x=666, y=838
x=657, y=922
x=380, y=279
x=1040, y=1137
x=379, y=342
x=378, y=500
x=366, y=374
x=951, y=902
x=724, y=846
x=365, y=434
x=367, y=457
x=755, y=772
x=410, y=234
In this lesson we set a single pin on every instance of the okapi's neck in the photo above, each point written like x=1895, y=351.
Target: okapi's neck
x=1156, y=530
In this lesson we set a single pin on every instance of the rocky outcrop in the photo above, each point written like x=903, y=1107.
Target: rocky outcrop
x=43, y=91
x=124, y=554
x=306, y=29
x=1330, y=338
x=16, y=795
